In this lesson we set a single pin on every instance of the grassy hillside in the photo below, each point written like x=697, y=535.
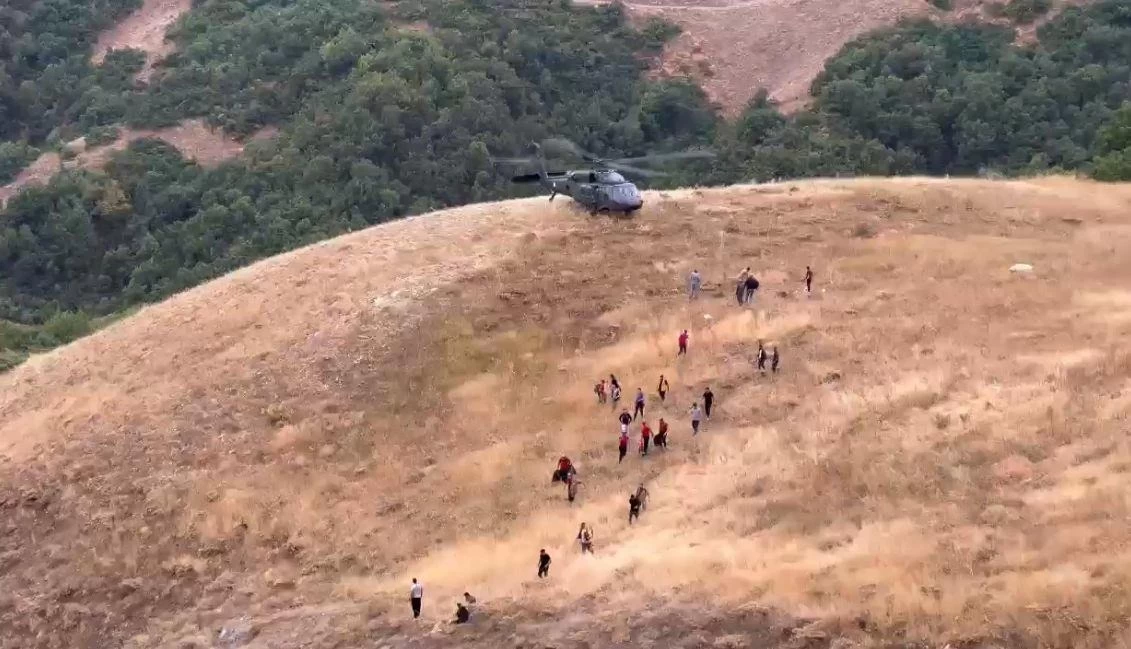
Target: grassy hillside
x=942, y=458
x=383, y=111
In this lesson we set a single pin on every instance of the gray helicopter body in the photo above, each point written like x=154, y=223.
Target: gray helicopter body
x=600, y=189
x=597, y=190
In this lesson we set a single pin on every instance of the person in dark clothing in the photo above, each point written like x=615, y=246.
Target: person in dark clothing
x=543, y=564
x=708, y=399
x=661, y=440
x=774, y=360
x=761, y=358
x=633, y=508
x=740, y=292
x=808, y=280
x=462, y=614
x=751, y=285
x=663, y=388
x=624, y=418
x=638, y=407
x=622, y=447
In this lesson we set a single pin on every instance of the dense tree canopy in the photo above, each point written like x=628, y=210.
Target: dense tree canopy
x=388, y=110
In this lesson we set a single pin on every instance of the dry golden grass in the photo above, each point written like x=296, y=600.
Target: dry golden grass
x=942, y=460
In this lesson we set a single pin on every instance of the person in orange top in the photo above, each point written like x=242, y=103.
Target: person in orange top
x=645, y=437
x=662, y=434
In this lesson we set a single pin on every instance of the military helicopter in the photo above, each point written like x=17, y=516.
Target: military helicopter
x=601, y=188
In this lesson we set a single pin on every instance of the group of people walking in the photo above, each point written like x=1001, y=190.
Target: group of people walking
x=746, y=285
x=746, y=288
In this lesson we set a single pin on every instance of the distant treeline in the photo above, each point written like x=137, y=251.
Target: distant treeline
x=387, y=115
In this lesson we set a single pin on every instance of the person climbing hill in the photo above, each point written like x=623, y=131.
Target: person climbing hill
x=696, y=417
x=761, y=358
x=645, y=437
x=543, y=564
x=599, y=389
x=694, y=283
x=638, y=404
x=751, y=287
x=622, y=445
x=585, y=539
x=708, y=400
x=625, y=419
x=683, y=342
x=808, y=280
x=564, y=470
x=661, y=439
x=663, y=388
x=633, y=508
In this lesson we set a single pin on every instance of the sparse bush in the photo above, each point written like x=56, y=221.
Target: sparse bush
x=14, y=156
x=1024, y=12
x=67, y=326
x=863, y=231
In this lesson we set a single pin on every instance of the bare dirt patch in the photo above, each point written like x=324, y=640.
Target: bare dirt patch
x=143, y=30
x=195, y=139
x=735, y=47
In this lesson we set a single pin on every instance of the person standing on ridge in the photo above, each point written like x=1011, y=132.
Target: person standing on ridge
x=808, y=280
x=645, y=437
x=694, y=283
x=774, y=360
x=543, y=564
x=416, y=595
x=696, y=417
x=663, y=388
x=638, y=408
x=662, y=434
x=622, y=446
x=708, y=399
x=761, y=358
x=682, y=343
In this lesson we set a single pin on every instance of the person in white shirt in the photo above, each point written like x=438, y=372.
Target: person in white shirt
x=416, y=593
x=696, y=417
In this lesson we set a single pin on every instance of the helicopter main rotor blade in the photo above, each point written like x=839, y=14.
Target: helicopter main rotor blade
x=665, y=157
x=637, y=171
x=563, y=145
x=513, y=161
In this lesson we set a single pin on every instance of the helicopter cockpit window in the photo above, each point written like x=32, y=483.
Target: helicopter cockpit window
x=581, y=177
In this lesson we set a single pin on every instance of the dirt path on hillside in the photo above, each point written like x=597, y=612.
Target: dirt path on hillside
x=195, y=139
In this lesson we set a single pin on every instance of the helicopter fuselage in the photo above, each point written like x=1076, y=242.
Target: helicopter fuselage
x=598, y=190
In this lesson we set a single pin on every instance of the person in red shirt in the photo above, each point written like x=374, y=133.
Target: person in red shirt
x=565, y=467
x=645, y=437
x=623, y=446
x=683, y=342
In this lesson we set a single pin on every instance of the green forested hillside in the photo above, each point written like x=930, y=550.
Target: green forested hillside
x=391, y=109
